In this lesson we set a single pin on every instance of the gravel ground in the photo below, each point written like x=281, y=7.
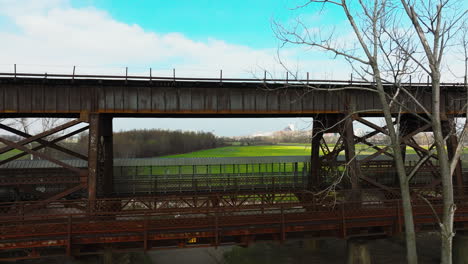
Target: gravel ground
x=332, y=251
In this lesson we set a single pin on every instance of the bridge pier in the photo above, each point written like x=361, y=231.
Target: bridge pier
x=358, y=251
x=107, y=157
x=326, y=165
x=315, y=162
x=100, y=156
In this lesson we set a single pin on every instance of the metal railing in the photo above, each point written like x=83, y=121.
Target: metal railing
x=207, y=79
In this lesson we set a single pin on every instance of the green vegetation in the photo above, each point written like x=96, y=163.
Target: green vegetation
x=11, y=153
x=282, y=149
x=248, y=151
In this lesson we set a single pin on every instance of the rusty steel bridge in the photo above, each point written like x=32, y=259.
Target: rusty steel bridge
x=91, y=202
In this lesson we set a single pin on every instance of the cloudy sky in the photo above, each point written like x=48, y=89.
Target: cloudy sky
x=197, y=38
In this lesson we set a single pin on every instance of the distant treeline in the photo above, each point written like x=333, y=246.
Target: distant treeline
x=147, y=143
x=155, y=142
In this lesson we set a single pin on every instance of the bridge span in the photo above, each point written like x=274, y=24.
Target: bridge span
x=92, y=202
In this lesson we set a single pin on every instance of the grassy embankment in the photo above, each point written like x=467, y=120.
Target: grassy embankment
x=282, y=149
x=292, y=149
x=243, y=151
x=10, y=153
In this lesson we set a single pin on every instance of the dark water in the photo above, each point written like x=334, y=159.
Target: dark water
x=333, y=251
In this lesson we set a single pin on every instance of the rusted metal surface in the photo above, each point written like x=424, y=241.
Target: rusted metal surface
x=94, y=147
x=262, y=217
x=41, y=146
x=43, y=185
x=66, y=97
x=225, y=207
x=138, y=178
x=106, y=179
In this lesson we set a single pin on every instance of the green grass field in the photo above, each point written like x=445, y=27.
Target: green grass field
x=266, y=150
x=9, y=154
x=248, y=151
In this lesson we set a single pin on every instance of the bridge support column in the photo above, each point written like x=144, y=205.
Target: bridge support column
x=358, y=252
x=350, y=153
x=460, y=249
x=93, y=156
x=100, y=157
x=315, y=162
x=107, y=156
x=327, y=163
x=449, y=130
x=425, y=169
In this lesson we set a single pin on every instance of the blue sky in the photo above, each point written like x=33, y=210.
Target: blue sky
x=237, y=22
x=196, y=37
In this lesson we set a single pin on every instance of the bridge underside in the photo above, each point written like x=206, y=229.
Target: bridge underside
x=72, y=209
x=76, y=210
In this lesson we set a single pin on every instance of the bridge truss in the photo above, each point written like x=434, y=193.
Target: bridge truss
x=72, y=209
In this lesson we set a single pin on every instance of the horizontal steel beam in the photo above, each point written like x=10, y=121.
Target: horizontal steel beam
x=117, y=97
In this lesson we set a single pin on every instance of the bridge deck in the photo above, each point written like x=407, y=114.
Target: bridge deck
x=200, y=205
x=64, y=95
x=192, y=175
x=166, y=222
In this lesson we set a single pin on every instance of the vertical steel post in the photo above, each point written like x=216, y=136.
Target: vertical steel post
x=315, y=164
x=93, y=156
x=69, y=236
x=107, y=156
x=283, y=226
x=145, y=233
x=404, y=128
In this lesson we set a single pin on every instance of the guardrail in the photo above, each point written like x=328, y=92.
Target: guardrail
x=207, y=79
x=212, y=220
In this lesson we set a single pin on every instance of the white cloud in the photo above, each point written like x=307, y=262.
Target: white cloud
x=52, y=36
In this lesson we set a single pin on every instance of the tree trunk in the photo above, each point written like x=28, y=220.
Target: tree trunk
x=411, y=254
x=446, y=227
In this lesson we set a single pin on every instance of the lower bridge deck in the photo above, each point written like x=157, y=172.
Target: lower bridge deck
x=170, y=203
x=79, y=227
x=33, y=179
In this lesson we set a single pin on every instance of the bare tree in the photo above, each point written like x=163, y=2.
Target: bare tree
x=377, y=57
x=35, y=125
x=24, y=124
x=436, y=23
x=389, y=53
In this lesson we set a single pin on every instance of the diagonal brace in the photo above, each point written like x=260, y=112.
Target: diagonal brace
x=51, y=142
x=44, y=156
x=37, y=137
